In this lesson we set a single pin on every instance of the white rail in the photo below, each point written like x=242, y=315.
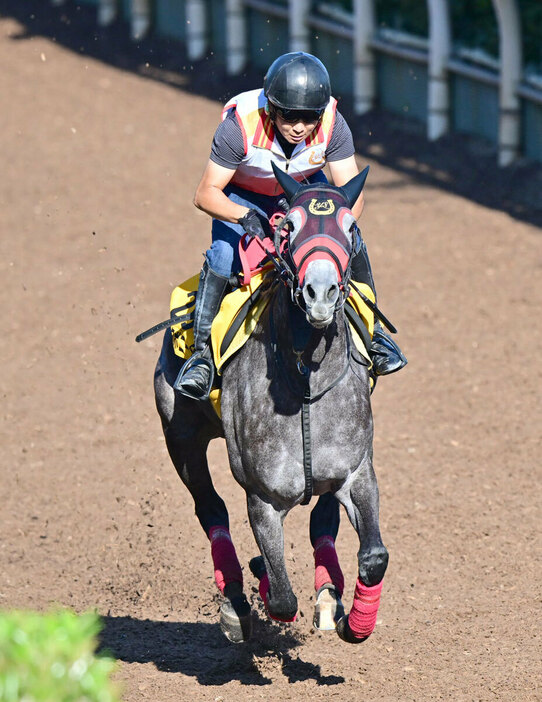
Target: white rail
x=438, y=89
x=197, y=36
x=360, y=28
x=507, y=12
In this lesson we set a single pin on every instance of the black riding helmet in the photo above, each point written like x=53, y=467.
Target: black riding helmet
x=297, y=81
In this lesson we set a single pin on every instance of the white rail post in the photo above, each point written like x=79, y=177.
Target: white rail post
x=140, y=20
x=299, y=11
x=107, y=12
x=196, y=29
x=510, y=52
x=440, y=43
x=364, y=64
x=236, y=42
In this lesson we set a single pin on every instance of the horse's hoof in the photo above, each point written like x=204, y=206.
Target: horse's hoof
x=329, y=608
x=236, y=619
x=345, y=632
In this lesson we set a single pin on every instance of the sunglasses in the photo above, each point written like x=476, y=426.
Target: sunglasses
x=294, y=116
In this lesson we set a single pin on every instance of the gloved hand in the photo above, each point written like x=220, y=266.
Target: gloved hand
x=255, y=225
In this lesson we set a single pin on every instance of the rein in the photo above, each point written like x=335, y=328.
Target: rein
x=308, y=398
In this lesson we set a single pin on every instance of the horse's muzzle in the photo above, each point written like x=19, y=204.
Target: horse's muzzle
x=320, y=293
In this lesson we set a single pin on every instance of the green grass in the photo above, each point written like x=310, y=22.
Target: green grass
x=51, y=658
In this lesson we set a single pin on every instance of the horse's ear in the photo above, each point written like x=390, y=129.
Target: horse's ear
x=286, y=182
x=353, y=188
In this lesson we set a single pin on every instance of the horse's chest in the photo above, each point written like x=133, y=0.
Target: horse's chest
x=272, y=443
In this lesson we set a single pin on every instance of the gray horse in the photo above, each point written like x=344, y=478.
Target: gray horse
x=296, y=416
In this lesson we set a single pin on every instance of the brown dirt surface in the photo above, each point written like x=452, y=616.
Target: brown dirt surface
x=97, y=226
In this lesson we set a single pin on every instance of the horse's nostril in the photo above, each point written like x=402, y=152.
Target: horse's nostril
x=332, y=292
x=310, y=292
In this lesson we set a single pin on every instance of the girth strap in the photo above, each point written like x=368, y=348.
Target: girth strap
x=307, y=445
x=308, y=399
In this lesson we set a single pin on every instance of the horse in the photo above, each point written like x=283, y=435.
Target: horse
x=296, y=417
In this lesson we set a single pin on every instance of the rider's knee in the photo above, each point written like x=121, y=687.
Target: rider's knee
x=220, y=257
x=372, y=565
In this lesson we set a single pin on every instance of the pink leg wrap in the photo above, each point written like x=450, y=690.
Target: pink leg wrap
x=227, y=566
x=327, y=568
x=362, y=617
x=264, y=589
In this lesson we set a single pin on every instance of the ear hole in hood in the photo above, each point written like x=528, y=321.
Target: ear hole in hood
x=296, y=218
x=346, y=220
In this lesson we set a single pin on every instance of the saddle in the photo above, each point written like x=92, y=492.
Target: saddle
x=242, y=308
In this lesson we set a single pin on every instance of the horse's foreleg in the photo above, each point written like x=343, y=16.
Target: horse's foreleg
x=187, y=432
x=275, y=589
x=190, y=461
x=360, y=499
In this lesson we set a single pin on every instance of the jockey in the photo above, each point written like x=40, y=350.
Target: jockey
x=294, y=123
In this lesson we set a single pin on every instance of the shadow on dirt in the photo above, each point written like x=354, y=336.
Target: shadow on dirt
x=456, y=163
x=201, y=651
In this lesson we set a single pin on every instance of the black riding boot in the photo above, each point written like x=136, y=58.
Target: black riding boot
x=196, y=377
x=385, y=354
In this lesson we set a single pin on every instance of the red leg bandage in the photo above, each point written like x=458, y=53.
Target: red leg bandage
x=264, y=590
x=327, y=568
x=362, y=617
x=225, y=561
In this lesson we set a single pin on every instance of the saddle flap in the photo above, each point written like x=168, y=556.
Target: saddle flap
x=183, y=299
x=238, y=316
x=365, y=314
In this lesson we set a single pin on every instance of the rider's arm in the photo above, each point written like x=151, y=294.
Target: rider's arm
x=343, y=171
x=210, y=197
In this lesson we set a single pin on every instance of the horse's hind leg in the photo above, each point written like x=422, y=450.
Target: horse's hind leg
x=275, y=589
x=360, y=499
x=187, y=432
x=328, y=576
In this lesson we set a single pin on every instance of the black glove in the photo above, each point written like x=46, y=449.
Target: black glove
x=255, y=225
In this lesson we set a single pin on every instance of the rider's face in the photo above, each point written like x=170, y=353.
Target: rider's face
x=294, y=132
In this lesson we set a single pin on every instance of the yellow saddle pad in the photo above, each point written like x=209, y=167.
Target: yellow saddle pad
x=234, y=324
x=183, y=302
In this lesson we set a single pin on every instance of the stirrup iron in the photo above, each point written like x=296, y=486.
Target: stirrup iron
x=201, y=359
x=385, y=354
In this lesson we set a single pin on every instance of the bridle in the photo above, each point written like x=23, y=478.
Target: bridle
x=290, y=257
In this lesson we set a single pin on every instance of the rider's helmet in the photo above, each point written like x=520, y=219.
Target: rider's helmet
x=297, y=82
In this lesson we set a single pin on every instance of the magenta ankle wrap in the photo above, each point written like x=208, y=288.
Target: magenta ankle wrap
x=327, y=568
x=226, y=564
x=362, y=617
x=264, y=590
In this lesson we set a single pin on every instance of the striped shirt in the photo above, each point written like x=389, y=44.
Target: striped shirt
x=228, y=147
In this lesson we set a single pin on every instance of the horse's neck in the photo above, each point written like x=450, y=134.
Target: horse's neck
x=323, y=350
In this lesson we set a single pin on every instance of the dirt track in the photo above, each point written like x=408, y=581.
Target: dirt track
x=96, y=228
